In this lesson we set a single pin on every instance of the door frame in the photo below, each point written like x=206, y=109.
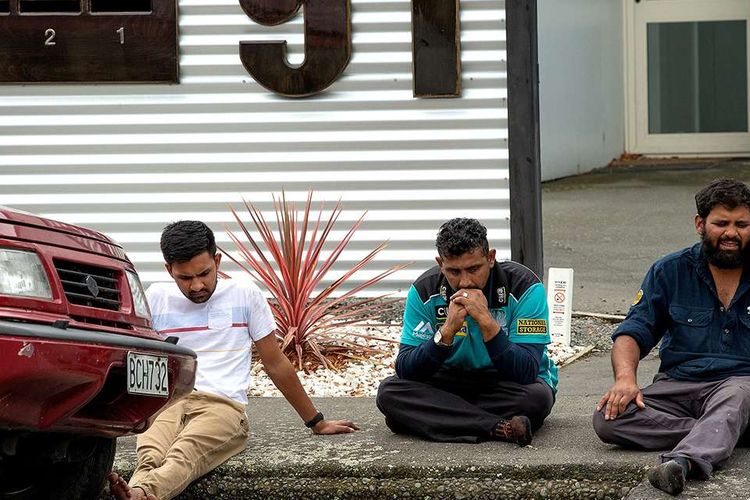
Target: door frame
x=637, y=139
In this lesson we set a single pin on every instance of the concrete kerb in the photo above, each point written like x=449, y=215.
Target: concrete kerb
x=566, y=459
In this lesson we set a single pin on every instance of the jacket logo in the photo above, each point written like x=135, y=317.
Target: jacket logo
x=441, y=313
x=532, y=326
x=423, y=331
x=501, y=295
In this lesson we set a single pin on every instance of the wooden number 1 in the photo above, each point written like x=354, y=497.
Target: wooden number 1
x=121, y=32
x=436, y=48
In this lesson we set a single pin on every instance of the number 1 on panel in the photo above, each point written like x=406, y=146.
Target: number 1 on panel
x=121, y=32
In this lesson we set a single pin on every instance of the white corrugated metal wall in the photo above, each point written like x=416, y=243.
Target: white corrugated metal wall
x=128, y=159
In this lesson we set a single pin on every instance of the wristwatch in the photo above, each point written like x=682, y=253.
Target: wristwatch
x=438, y=339
x=314, y=421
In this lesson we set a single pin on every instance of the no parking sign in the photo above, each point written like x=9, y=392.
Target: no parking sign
x=560, y=303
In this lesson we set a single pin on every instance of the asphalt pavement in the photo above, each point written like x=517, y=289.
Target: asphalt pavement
x=612, y=224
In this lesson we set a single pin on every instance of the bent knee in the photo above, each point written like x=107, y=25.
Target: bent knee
x=738, y=390
x=538, y=402
x=604, y=429
x=385, y=392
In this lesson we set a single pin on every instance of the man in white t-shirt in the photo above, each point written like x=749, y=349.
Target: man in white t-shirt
x=220, y=320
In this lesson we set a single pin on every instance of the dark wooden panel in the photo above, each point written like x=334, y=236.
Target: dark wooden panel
x=91, y=47
x=271, y=12
x=57, y=6
x=120, y=5
x=436, y=48
x=328, y=48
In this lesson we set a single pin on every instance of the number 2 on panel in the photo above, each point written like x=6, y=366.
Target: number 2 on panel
x=49, y=37
x=121, y=32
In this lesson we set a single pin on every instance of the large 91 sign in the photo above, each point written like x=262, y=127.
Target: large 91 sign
x=328, y=46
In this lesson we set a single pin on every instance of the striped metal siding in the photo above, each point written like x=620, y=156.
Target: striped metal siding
x=127, y=159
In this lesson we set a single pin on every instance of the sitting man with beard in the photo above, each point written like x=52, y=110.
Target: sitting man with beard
x=697, y=302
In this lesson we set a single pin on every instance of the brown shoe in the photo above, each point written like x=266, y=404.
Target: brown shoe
x=516, y=430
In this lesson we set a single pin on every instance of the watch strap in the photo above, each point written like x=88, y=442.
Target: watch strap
x=438, y=339
x=314, y=421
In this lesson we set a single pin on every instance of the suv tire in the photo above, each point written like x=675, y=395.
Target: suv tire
x=80, y=478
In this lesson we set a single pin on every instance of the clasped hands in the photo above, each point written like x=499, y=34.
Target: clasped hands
x=468, y=302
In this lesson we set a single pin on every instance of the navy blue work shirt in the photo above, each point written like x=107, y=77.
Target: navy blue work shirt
x=678, y=304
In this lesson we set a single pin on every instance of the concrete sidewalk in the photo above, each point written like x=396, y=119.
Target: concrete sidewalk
x=566, y=460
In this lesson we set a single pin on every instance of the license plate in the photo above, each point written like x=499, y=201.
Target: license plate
x=147, y=374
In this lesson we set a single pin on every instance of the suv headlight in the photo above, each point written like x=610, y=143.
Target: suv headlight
x=139, y=296
x=22, y=273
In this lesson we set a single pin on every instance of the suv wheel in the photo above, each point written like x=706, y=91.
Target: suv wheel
x=80, y=477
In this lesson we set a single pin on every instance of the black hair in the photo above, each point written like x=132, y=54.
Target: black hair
x=459, y=236
x=724, y=191
x=183, y=240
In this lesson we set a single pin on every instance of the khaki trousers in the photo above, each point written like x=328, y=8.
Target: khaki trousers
x=187, y=440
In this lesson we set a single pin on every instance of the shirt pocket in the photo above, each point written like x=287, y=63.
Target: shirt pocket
x=691, y=329
x=219, y=319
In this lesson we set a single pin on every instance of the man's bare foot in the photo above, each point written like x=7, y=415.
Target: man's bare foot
x=120, y=489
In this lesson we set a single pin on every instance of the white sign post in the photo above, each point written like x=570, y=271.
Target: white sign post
x=560, y=303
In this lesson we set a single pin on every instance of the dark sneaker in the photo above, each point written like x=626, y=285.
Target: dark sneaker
x=668, y=477
x=516, y=430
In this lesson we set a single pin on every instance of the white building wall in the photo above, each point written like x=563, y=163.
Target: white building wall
x=128, y=159
x=581, y=87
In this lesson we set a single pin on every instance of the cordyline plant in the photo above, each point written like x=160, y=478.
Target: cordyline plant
x=309, y=328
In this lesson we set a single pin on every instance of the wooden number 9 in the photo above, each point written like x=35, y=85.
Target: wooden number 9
x=328, y=45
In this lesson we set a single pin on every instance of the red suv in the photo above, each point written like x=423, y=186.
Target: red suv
x=79, y=362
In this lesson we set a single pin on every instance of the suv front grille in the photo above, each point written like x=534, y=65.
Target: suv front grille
x=88, y=285
x=102, y=322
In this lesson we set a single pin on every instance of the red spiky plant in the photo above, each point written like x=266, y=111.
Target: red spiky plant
x=292, y=268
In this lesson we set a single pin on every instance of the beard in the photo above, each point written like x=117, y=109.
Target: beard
x=725, y=259
x=199, y=297
x=203, y=295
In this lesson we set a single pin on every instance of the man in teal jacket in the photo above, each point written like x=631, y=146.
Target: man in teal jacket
x=472, y=364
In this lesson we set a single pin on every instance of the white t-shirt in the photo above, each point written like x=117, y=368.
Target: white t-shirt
x=221, y=331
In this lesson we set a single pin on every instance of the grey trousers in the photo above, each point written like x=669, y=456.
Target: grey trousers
x=701, y=421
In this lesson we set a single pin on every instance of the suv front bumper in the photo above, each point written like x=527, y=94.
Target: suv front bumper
x=73, y=380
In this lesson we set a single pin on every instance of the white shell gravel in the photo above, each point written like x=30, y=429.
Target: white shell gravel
x=361, y=378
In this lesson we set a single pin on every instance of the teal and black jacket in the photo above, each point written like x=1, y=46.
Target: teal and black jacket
x=518, y=353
